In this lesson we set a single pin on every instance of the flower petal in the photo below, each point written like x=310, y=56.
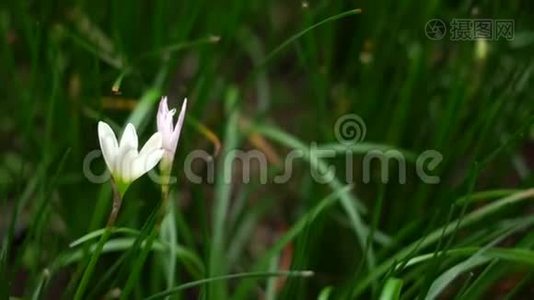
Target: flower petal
x=153, y=143
x=125, y=165
x=134, y=166
x=108, y=144
x=146, y=162
x=128, y=139
x=162, y=113
x=178, y=128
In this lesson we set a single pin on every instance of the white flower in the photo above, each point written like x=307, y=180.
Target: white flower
x=123, y=160
x=169, y=133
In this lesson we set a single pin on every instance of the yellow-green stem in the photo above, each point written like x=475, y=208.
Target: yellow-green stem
x=164, y=196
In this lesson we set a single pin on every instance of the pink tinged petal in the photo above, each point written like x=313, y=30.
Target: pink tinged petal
x=164, y=105
x=164, y=122
x=108, y=145
x=168, y=124
x=176, y=134
x=162, y=113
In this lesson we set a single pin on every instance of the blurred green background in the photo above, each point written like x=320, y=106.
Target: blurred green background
x=272, y=76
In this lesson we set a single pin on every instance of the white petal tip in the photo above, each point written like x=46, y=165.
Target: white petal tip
x=102, y=124
x=103, y=127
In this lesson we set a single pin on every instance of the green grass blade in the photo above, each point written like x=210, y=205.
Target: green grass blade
x=168, y=235
x=435, y=235
x=291, y=234
x=228, y=277
x=217, y=264
x=91, y=265
x=97, y=233
x=523, y=256
x=190, y=259
x=325, y=293
x=296, y=36
x=348, y=200
x=392, y=289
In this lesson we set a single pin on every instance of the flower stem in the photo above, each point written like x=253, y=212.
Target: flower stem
x=117, y=201
x=134, y=275
x=164, y=203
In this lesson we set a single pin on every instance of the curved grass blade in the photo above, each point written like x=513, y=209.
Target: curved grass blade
x=392, y=289
x=349, y=202
x=296, y=36
x=435, y=235
x=217, y=264
x=228, y=277
x=190, y=259
x=491, y=194
x=43, y=280
x=478, y=258
x=97, y=233
x=164, y=51
x=523, y=256
x=168, y=234
x=291, y=234
x=325, y=293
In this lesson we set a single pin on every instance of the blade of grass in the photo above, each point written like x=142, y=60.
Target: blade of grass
x=158, y=53
x=435, y=235
x=7, y=243
x=245, y=228
x=348, y=200
x=444, y=244
x=133, y=277
x=190, y=259
x=144, y=244
x=524, y=256
x=296, y=36
x=270, y=290
x=4, y=279
x=232, y=276
x=97, y=233
x=169, y=236
x=392, y=289
x=291, y=234
x=217, y=265
x=43, y=280
x=485, y=195
x=445, y=279
x=376, y=217
x=92, y=263
x=526, y=282
x=497, y=269
x=325, y=293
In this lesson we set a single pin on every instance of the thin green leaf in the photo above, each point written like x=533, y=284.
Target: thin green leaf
x=97, y=233
x=296, y=36
x=435, y=235
x=228, y=277
x=392, y=289
x=217, y=265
